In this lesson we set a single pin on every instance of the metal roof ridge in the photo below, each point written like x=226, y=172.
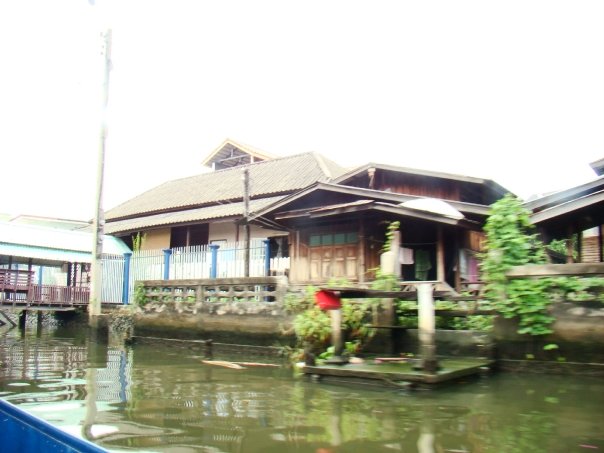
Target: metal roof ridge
x=556, y=196
x=417, y=171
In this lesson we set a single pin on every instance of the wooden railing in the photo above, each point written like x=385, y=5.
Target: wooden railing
x=63, y=295
x=15, y=280
x=17, y=289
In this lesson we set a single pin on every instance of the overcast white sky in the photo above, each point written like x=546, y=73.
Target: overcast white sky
x=508, y=90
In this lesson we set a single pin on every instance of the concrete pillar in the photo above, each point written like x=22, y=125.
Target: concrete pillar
x=427, y=328
x=337, y=340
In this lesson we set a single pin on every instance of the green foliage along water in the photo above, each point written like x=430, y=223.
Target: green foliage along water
x=162, y=398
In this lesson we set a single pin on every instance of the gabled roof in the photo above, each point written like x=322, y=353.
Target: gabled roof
x=492, y=185
x=377, y=206
x=232, y=154
x=366, y=194
x=267, y=179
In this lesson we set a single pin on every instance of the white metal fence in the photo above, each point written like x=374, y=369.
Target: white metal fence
x=186, y=263
x=113, y=278
x=190, y=262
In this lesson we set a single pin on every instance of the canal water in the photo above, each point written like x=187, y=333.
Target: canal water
x=162, y=398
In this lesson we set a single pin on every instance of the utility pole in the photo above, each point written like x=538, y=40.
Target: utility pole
x=246, y=225
x=94, y=305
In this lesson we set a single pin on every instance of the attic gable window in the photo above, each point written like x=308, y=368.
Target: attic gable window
x=231, y=154
x=236, y=159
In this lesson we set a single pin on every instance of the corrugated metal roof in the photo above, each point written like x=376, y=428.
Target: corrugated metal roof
x=45, y=254
x=60, y=240
x=187, y=216
x=277, y=176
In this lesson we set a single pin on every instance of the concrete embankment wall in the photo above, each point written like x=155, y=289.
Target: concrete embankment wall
x=578, y=335
x=578, y=331
x=259, y=323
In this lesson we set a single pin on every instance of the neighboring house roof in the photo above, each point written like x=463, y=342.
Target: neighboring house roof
x=232, y=209
x=572, y=210
x=44, y=244
x=232, y=154
x=52, y=222
x=269, y=178
x=562, y=196
x=598, y=166
x=570, y=206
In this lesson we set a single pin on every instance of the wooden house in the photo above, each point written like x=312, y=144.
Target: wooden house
x=337, y=229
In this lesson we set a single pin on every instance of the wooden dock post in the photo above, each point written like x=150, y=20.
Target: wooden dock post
x=427, y=327
x=22, y=319
x=40, y=321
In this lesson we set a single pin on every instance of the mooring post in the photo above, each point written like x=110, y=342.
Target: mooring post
x=22, y=319
x=427, y=327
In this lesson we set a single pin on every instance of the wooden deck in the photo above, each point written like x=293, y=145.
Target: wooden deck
x=397, y=374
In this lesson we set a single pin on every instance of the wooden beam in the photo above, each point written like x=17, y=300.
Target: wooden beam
x=569, y=245
x=552, y=270
x=600, y=245
x=361, y=266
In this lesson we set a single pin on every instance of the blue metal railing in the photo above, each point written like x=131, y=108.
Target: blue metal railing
x=23, y=432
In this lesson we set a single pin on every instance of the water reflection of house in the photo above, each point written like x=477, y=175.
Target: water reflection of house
x=330, y=223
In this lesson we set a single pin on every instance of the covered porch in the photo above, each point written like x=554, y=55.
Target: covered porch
x=47, y=267
x=434, y=242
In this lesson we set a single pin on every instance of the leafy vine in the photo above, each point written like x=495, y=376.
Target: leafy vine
x=511, y=240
